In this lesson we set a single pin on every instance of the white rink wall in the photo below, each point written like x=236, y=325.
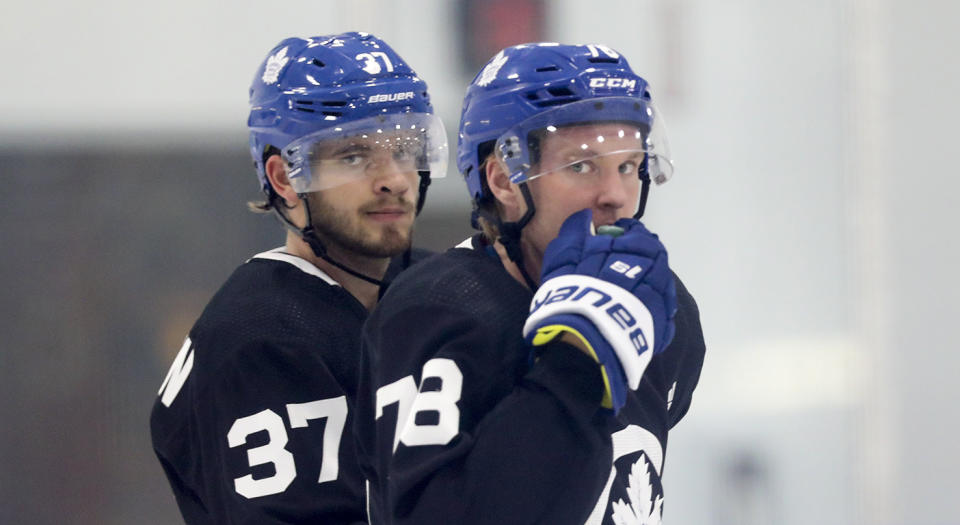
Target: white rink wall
x=811, y=215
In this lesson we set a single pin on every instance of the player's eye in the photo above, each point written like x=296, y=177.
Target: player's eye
x=628, y=168
x=351, y=159
x=581, y=168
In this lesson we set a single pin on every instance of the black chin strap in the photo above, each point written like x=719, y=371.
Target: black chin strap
x=421, y=199
x=309, y=235
x=510, y=234
x=644, y=188
x=422, y=193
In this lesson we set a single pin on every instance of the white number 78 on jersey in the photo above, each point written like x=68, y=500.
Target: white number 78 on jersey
x=411, y=402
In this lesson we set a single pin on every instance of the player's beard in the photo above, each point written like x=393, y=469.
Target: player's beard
x=347, y=231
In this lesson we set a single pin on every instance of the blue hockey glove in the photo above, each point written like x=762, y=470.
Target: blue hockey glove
x=615, y=294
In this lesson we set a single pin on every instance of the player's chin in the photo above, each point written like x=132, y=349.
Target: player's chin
x=393, y=241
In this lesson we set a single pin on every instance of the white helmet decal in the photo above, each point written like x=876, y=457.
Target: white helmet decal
x=275, y=64
x=489, y=73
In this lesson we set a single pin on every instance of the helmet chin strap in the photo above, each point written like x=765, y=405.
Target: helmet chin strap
x=407, y=254
x=510, y=234
x=309, y=235
x=422, y=193
x=644, y=188
x=421, y=199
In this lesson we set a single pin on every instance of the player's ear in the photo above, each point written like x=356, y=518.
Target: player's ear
x=507, y=194
x=277, y=175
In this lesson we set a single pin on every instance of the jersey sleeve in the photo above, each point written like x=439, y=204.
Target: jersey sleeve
x=685, y=355
x=464, y=423
x=261, y=439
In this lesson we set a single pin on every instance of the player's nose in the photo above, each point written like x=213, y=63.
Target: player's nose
x=612, y=190
x=389, y=175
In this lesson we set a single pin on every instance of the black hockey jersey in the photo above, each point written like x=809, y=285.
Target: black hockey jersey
x=456, y=423
x=252, y=424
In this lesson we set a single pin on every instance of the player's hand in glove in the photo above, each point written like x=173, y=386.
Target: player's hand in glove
x=616, y=294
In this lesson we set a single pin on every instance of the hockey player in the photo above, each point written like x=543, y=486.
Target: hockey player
x=252, y=422
x=531, y=374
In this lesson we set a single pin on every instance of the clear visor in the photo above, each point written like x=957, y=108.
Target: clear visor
x=590, y=136
x=407, y=143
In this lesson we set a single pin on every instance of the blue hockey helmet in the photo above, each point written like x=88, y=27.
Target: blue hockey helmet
x=529, y=91
x=312, y=91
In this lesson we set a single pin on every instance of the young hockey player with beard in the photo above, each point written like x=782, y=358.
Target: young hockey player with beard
x=252, y=422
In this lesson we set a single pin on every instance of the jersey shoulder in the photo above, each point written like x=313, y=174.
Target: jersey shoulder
x=467, y=281
x=269, y=329
x=263, y=291
x=460, y=304
x=274, y=304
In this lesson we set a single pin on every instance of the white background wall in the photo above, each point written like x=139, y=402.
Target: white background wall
x=812, y=212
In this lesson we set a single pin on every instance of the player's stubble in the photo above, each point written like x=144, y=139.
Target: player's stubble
x=349, y=230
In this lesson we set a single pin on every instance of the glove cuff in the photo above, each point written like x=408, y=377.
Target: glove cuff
x=551, y=332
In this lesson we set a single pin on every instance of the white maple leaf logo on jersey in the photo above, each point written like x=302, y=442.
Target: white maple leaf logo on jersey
x=489, y=73
x=275, y=64
x=639, y=492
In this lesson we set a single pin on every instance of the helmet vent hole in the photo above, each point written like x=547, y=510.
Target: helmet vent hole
x=546, y=69
x=315, y=62
x=302, y=105
x=603, y=60
x=332, y=113
x=334, y=103
x=532, y=95
x=560, y=91
x=554, y=102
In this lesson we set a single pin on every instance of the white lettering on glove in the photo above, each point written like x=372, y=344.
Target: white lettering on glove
x=619, y=316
